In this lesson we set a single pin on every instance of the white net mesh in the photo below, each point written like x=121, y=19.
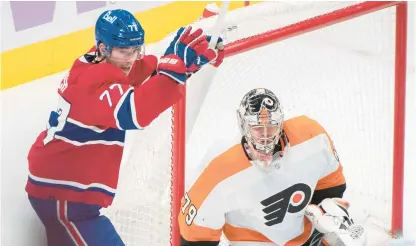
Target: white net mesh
x=342, y=76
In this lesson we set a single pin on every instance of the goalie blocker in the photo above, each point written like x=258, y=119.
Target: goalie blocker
x=257, y=191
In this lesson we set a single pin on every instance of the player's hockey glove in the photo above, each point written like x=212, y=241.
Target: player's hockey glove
x=331, y=217
x=182, y=52
x=213, y=56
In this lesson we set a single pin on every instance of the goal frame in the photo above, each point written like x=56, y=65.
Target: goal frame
x=292, y=30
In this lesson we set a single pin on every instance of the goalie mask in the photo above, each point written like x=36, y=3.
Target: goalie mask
x=261, y=119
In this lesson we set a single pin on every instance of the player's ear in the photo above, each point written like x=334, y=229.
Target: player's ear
x=103, y=49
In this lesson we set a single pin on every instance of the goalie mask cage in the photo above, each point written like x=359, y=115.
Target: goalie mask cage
x=341, y=63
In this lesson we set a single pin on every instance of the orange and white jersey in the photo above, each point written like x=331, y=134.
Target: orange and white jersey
x=234, y=197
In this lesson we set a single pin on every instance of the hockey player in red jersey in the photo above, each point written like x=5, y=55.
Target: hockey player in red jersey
x=282, y=185
x=74, y=164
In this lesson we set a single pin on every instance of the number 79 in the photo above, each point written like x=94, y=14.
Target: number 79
x=192, y=211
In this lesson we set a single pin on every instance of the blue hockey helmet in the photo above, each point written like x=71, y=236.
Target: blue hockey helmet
x=118, y=28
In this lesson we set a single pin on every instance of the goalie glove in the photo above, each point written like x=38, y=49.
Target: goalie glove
x=331, y=218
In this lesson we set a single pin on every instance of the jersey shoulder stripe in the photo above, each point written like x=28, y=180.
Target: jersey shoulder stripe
x=301, y=129
x=334, y=179
x=230, y=162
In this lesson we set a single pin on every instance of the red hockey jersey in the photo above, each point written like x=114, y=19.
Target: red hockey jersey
x=77, y=158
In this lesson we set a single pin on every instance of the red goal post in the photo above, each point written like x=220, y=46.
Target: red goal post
x=299, y=28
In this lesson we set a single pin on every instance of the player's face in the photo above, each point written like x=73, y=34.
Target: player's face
x=124, y=57
x=263, y=143
x=264, y=134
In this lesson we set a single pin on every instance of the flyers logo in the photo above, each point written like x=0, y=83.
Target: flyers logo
x=291, y=200
x=268, y=101
x=257, y=102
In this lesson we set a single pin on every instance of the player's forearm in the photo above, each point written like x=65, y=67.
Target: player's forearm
x=154, y=97
x=320, y=195
x=184, y=242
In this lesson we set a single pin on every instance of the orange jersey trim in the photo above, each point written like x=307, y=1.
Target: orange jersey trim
x=235, y=234
x=224, y=166
x=333, y=179
x=302, y=128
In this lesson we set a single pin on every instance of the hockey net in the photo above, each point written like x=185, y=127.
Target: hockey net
x=348, y=73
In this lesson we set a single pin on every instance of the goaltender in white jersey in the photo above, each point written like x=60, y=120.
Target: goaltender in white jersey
x=282, y=185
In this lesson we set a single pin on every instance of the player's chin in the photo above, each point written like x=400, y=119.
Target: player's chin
x=126, y=70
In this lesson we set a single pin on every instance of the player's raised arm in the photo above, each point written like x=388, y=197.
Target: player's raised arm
x=116, y=104
x=126, y=107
